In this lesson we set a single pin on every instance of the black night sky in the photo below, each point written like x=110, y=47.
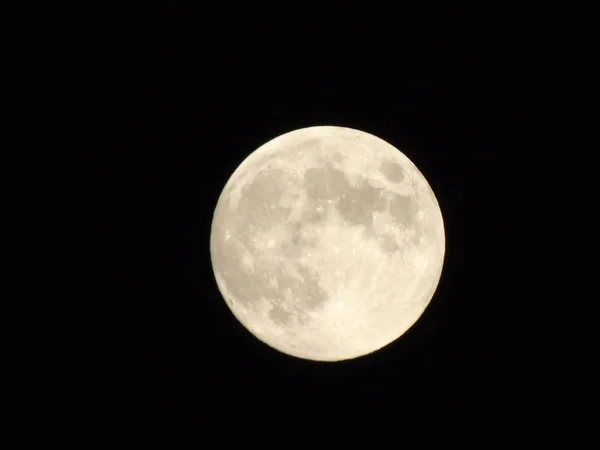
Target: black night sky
x=169, y=103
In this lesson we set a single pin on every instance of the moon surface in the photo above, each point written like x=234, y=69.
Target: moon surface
x=327, y=243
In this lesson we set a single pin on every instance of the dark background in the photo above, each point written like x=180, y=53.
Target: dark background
x=165, y=104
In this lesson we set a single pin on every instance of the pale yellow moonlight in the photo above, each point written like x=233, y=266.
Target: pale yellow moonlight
x=327, y=243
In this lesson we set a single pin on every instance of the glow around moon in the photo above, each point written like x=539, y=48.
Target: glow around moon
x=327, y=243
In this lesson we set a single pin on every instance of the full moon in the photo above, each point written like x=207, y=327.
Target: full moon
x=327, y=243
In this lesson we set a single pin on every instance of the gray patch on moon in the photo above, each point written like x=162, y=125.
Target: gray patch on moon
x=259, y=202
x=416, y=239
x=306, y=289
x=301, y=236
x=279, y=316
x=315, y=213
x=337, y=157
x=292, y=247
x=356, y=205
x=387, y=243
x=307, y=144
x=324, y=183
x=392, y=171
x=312, y=293
x=403, y=209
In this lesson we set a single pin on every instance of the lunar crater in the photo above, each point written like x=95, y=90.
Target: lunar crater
x=392, y=171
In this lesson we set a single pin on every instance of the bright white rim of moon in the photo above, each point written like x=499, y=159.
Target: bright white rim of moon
x=327, y=243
